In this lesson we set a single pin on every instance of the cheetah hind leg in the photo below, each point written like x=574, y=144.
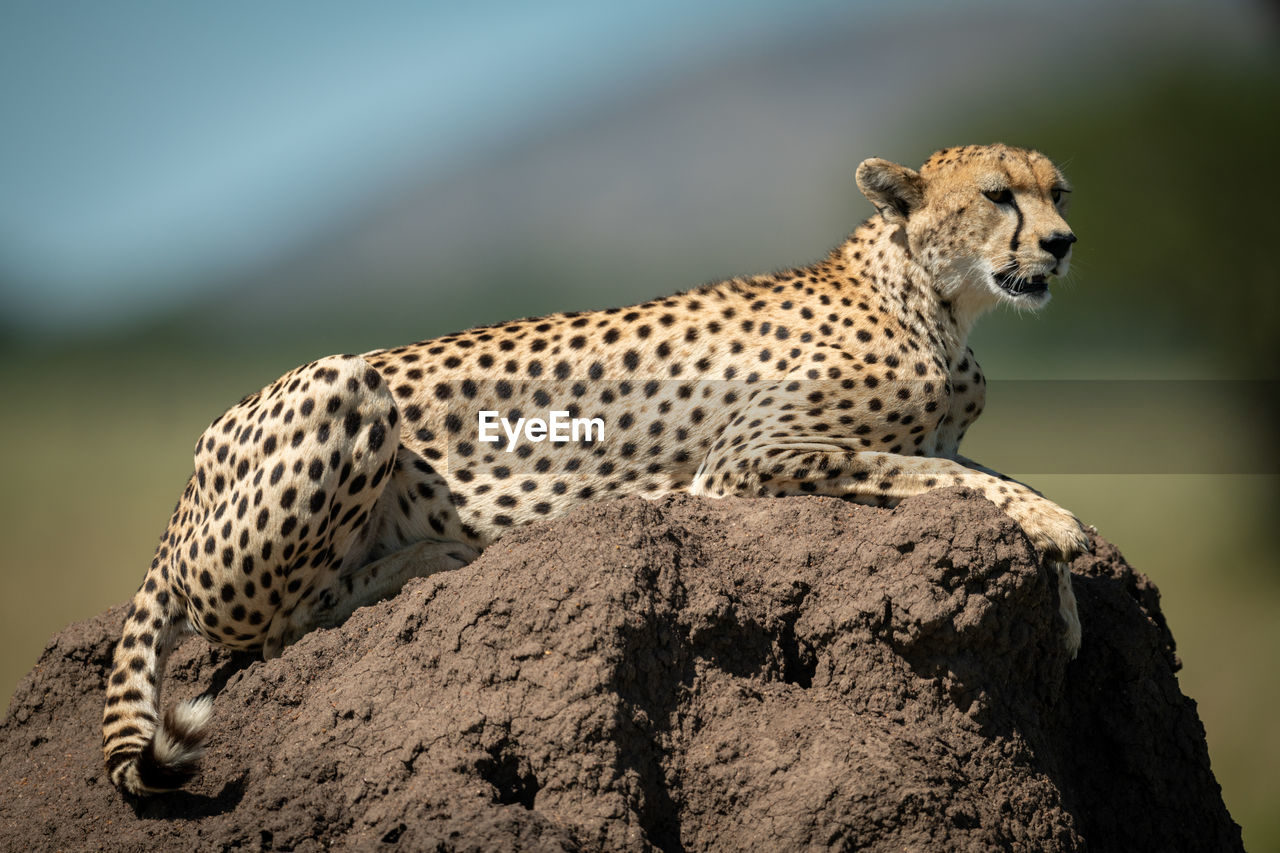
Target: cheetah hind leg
x=371, y=583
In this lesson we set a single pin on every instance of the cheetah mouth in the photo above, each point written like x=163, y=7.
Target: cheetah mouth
x=1018, y=285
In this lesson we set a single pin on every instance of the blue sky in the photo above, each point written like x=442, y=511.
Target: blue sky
x=147, y=139
x=152, y=146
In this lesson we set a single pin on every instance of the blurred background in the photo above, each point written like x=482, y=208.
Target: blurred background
x=196, y=198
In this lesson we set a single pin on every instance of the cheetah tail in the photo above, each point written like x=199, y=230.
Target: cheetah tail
x=142, y=757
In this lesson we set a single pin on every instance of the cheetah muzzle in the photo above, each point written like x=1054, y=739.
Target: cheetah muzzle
x=850, y=377
x=1022, y=286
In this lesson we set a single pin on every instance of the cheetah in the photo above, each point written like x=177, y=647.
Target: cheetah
x=331, y=487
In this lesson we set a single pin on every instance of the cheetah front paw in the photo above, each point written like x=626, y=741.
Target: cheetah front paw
x=1052, y=529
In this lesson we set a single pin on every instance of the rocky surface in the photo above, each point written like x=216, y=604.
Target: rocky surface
x=679, y=675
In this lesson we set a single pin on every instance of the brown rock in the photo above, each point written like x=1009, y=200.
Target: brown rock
x=686, y=674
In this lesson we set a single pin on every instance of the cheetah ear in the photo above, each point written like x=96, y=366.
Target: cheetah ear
x=895, y=190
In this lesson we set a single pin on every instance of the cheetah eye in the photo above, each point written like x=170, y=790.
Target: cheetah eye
x=1000, y=196
x=1056, y=194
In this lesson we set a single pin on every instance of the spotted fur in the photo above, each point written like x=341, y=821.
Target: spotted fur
x=850, y=377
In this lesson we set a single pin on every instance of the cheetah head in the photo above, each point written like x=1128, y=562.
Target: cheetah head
x=986, y=221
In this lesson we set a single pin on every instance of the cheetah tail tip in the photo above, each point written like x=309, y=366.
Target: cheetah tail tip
x=171, y=757
x=179, y=741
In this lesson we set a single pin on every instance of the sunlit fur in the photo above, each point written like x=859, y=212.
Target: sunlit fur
x=961, y=237
x=849, y=377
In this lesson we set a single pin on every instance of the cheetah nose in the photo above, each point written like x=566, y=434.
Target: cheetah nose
x=1058, y=245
